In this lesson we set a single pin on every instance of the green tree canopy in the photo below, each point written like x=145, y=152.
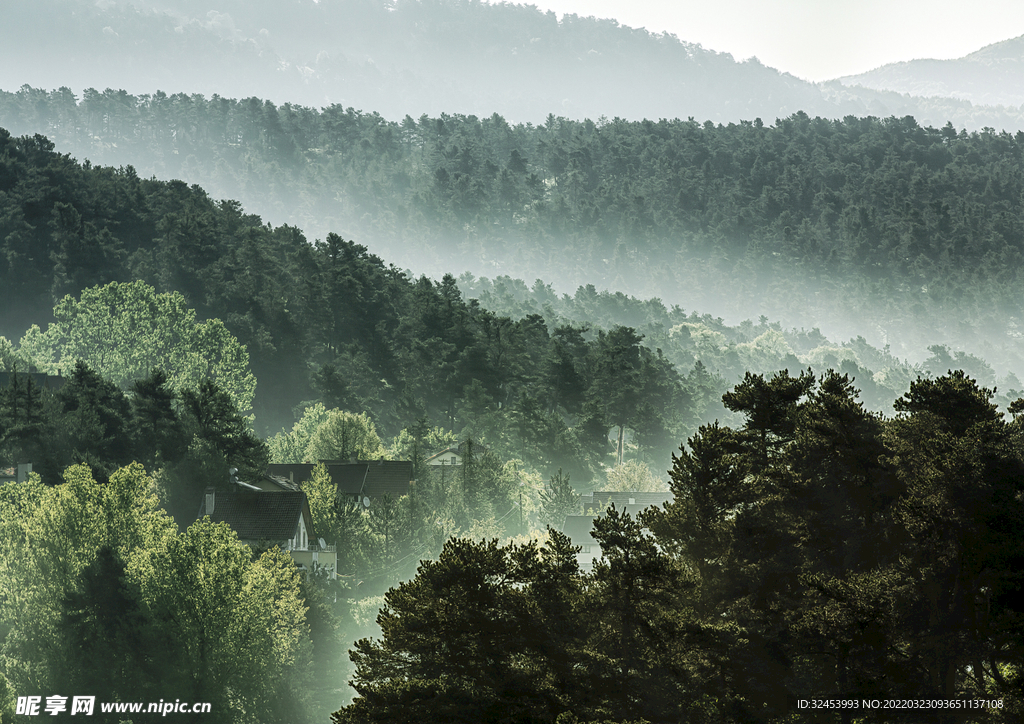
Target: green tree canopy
x=101, y=591
x=124, y=331
x=290, y=447
x=822, y=551
x=634, y=476
x=343, y=436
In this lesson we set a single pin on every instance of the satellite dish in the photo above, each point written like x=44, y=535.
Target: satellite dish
x=366, y=502
x=323, y=543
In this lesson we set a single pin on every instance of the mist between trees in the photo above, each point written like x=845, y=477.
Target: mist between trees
x=905, y=234
x=815, y=550
x=813, y=547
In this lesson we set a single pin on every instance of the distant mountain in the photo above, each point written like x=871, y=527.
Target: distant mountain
x=415, y=57
x=991, y=76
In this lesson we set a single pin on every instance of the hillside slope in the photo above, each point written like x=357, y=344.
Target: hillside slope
x=993, y=76
x=906, y=235
x=410, y=57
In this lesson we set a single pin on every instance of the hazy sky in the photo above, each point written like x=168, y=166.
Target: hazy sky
x=818, y=39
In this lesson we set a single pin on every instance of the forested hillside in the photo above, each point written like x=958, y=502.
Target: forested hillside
x=802, y=336
x=324, y=322
x=906, y=235
x=329, y=321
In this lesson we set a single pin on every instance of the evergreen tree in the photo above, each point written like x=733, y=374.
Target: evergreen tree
x=92, y=426
x=158, y=430
x=559, y=500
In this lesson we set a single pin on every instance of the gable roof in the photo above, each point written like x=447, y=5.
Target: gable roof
x=634, y=501
x=293, y=472
x=457, y=451
x=266, y=516
x=348, y=477
x=275, y=484
x=387, y=477
x=369, y=478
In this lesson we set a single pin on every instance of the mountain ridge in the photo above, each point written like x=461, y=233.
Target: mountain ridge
x=991, y=75
x=411, y=57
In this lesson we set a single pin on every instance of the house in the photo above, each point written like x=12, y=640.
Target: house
x=17, y=474
x=362, y=481
x=39, y=379
x=263, y=519
x=579, y=529
x=632, y=502
x=454, y=455
x=449, y=456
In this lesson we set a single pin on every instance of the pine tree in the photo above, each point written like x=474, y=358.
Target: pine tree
x=559, y=499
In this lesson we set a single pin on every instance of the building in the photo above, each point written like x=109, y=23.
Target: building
x=17, y=474
x=454, y=455
x=631, y=502
x=276, y=484
x=361, y=482
x=264, y=519
x=579, y=529
x=39, y=379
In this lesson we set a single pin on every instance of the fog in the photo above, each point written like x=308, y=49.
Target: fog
x=410, y=58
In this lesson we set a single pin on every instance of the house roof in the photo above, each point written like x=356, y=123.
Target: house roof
x=276, y=483
x=458, y=450
x=369, y=478
x=435, y=456
x=387, y=477
x=632, y=501
x=294, y=472
x=349, y=477
x=41, y=379
x=578, y=528
x=260, y=516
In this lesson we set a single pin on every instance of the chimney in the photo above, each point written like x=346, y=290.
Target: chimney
x=211, y=500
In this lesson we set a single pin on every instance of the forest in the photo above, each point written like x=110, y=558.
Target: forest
x=814, y=551
x=802, y=552
x=802, y=332
x=907, y=235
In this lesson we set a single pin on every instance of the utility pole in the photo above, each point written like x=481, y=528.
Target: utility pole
x=522, y=527
x=521, y=508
